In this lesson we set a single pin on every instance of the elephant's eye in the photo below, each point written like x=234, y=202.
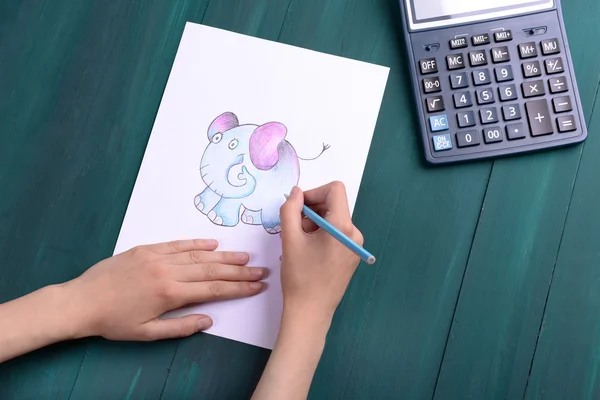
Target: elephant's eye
x=233, y=144
x=217, y=138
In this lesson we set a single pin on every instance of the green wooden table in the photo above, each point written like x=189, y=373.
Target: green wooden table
x=488, y=276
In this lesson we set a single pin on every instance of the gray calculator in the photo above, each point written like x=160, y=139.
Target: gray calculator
x=491, y=77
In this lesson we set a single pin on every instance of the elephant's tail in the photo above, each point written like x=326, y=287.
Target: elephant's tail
x=325, y=148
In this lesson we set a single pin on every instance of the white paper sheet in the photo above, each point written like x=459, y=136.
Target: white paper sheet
x=320, y=100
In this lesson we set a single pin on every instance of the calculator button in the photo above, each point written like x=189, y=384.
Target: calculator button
x=511, y=112
x=566, y=124
x=435, y=104
x=488, y=115
x=558, y=85
x=465, y=119
x=442, y=142
x=482, y=77
x=554, y=65
x=462, y=99
x=500, y=54
x=432, y=85
x=485, y=96
x=479, y=40
x=539, y=118
x=508, y=93
x=455, y=61
x=467, y=139
x=428, y=66
x=504, y=74
x=458, y=43
x=533, y=88
x=532, y=69
x=528, y=50
x=492, y=135
x=503, y=36
x=550, y=46
x=478, y=58
x=562, y=104
x=515, y=131
x=459, y=80
x=438, y=123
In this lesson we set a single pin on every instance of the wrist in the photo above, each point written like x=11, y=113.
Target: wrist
x=65, y=312
x=306, y=317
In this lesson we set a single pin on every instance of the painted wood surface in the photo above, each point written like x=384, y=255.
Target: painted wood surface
x=487, y=278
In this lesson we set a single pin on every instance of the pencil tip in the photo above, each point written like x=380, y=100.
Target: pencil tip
x=287, y=196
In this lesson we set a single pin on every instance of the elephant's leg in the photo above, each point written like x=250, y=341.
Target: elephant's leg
x=226, y=212
x=270, y=219
x=206, y=201
x=251, y=217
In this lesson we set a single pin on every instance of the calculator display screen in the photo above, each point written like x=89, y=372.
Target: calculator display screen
x=427, y=13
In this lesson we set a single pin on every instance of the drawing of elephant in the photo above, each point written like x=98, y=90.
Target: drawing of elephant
x=247, y=167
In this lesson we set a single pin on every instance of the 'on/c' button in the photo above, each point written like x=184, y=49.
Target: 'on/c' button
x=438, y=123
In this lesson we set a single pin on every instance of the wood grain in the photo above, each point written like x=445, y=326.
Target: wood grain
x=566, y=359
x=474, y=260
x=494, y=332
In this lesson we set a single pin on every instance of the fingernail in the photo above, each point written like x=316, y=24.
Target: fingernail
x=258, y=272
x=256, y=285
x=211, y=242
x=204, y=323
x=242, y=257
x=294, y=191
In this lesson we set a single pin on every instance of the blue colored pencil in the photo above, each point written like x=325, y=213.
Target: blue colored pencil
x=333, y=231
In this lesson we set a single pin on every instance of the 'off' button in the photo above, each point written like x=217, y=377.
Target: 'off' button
x=428, y=66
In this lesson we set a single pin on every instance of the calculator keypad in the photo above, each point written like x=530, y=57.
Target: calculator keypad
x=495, y=90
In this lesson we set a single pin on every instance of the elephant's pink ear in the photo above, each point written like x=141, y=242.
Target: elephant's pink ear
x=222, y=123
x=263, y=145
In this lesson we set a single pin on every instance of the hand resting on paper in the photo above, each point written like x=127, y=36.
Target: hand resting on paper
x=121, y=298
x=315, y=272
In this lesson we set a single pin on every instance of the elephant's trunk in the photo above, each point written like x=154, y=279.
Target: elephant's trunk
x=242, y=184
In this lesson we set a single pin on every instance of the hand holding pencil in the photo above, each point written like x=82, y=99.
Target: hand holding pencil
x=317, y=266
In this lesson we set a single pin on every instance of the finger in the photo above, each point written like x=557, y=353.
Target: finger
x=291, y=213
x=200, y=292
x=159, y=329
x=307, y=225
x=357, y=236
x=180, y=246
x=199, y=257
x=218, y=272
x=333, y=195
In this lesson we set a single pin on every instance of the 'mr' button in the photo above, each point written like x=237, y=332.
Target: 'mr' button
x=438, y=123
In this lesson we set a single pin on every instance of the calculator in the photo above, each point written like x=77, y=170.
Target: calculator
x=491, y=78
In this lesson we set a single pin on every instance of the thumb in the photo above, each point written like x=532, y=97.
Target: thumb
x=158, y=329
x=291, y=212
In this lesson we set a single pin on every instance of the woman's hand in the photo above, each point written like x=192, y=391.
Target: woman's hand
x=316, y=268
x=124, y=295
x=315, y=273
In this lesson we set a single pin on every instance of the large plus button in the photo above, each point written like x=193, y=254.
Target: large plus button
x=538, y=116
